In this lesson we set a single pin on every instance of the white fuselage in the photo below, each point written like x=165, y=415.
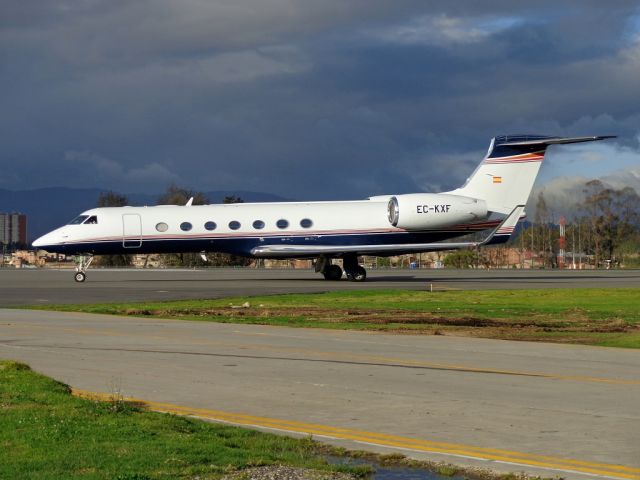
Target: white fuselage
x=240, y=227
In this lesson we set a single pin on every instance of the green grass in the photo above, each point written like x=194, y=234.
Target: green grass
x=47, y=433
x=608, y=317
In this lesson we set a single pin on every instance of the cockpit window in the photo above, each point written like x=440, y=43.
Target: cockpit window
x=92, y=219
x=78, y=220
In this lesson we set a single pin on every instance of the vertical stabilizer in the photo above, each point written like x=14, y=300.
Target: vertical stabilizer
x=506, y=176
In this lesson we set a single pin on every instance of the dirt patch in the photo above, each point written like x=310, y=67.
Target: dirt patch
x=573, y=327
x=280, y=472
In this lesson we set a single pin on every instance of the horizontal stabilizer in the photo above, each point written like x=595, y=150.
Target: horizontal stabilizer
x=514, y=140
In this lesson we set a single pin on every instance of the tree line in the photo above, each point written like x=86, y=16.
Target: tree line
x=604, y=231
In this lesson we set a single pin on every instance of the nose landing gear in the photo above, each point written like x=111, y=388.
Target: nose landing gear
x=80, y=275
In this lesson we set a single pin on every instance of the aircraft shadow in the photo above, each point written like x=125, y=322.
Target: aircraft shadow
x=319, y=281
x=549, y=278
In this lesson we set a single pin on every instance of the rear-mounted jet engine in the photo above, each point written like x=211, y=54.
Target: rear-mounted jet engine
x=424, y=211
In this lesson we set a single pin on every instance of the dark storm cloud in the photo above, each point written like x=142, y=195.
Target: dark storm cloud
x=306, y=99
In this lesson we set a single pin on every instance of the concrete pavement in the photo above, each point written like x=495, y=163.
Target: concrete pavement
x=31, y=287
x=543, y=408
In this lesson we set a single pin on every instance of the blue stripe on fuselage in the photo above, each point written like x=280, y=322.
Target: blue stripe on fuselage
x=244, y=245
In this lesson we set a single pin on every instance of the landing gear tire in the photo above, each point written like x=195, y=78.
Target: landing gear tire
x=332, y=272
x=80, y=275
x=359, y=274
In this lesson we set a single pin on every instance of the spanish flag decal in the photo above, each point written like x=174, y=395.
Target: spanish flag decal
x=497, y=179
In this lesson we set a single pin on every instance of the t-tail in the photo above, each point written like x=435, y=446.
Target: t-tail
x=506, y=176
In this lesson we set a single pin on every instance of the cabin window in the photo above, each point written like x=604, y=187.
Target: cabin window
x=234, y=225
x=210, y=225
x=258, y=224
x=185, y=226
x=162, y=227
x=282, y=223
x=306, y=223
x=92, y=220
x=78, y=220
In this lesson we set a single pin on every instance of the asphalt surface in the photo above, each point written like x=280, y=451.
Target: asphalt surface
x=542, y=408
x=31, y=287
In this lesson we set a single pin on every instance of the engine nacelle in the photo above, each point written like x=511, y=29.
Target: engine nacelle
x=424, y=211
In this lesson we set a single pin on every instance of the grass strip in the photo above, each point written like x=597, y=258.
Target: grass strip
x=606, y=317
x=49, y=434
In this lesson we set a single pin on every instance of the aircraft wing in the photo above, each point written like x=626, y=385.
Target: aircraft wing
x=499, y=235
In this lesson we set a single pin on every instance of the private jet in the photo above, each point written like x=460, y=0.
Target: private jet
x=491, y=202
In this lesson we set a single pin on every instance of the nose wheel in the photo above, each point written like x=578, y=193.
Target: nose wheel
x=81, y=275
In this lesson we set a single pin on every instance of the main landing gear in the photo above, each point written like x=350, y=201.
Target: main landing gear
x=354, y=271
x=80, y=275
x=332, y=272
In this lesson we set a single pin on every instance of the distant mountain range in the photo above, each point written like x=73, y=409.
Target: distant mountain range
x=49, y=208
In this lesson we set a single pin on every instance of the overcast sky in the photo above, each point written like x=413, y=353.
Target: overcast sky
x=310, y=99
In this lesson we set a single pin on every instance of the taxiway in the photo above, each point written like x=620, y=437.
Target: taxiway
x=41, y=287
x=542, y=408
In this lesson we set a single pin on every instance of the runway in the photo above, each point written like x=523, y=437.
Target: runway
x=31, y=287
x=543, y=408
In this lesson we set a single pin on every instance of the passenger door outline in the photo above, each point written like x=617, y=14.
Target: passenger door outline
x=131, y=230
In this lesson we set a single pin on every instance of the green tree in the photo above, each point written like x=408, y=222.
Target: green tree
x=627, y=240
x=180, y=196
x=232, y=199
x=461, y=259
x=383, y=262
x=614, y=218
x=113, y=199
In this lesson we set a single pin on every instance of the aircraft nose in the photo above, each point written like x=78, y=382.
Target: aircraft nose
x=41, y=242
x=52, y=238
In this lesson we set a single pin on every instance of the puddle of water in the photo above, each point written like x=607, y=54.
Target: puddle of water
x=393, y=473
x=398, y=473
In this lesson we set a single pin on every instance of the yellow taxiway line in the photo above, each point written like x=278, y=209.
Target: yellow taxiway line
x=385, y=440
